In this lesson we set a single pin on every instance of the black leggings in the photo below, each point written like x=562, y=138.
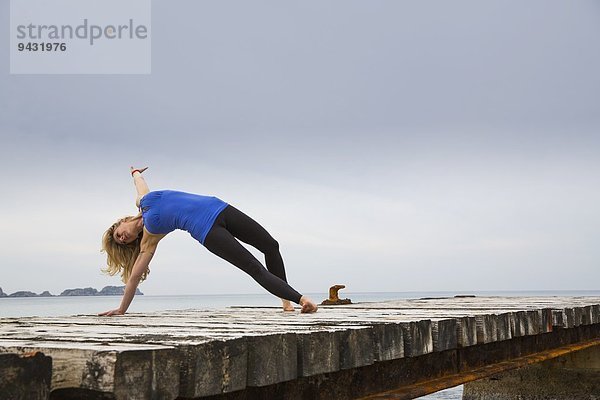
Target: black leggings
x=221, y=240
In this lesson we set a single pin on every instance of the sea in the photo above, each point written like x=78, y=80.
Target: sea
x=85, y=305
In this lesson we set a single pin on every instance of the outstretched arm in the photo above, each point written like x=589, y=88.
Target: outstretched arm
x=140, y=184
x=141, y=264
x=148, y=248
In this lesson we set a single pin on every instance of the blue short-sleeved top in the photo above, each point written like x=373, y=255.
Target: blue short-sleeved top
x=163, y=211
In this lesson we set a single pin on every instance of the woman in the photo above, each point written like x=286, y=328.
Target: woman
x=131, y=242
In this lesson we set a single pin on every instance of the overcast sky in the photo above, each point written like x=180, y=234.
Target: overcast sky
x=387, y=145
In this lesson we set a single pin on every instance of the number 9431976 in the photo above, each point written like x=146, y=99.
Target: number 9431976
x=43, y=46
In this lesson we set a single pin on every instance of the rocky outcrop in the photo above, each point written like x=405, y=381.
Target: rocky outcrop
x=23, y=293
x=115, y=291
x=80, y=292
x=106, y=291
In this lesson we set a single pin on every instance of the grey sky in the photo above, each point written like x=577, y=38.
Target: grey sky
x=387, y=145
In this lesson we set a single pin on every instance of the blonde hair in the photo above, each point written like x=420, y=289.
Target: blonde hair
x=121, y=257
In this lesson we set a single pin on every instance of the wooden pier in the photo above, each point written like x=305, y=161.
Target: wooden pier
x=394, y=349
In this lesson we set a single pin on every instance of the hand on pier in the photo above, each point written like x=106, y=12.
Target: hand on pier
x=111, y=312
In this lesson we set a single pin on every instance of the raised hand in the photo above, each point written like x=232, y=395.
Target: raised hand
x=140, y=170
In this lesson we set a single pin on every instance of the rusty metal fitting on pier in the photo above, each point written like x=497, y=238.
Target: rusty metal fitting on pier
x=333, y=299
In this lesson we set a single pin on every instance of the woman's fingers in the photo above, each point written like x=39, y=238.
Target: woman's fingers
x=110, y=313
x=132, y=168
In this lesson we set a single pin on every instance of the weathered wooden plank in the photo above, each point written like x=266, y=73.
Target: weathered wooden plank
x=578, y=316
x=418, y=338
x=444, y=334
x=569, y=317
x=141, y=374
x=533, y=322
x=272, y=359
x=558, y=319
x=487, y=328
x=482, y=303
x=596, y=314
x=545, y=320
x=587, y=315
x=388, y=341
x=519, y=325
x=25, y=376
x=356, y=347
x=127, y=371
x=212, y=368
x=504, y=323
x=428, y=310
x=318, y=352
x=467, y=331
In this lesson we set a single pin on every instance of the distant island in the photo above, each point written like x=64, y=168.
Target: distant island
x=106, y=291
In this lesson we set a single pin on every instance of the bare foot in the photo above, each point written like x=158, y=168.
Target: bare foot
x=287, y=305
x=307, y=305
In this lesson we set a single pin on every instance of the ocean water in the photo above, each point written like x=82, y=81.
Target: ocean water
x=65, y=305
x=60, y=306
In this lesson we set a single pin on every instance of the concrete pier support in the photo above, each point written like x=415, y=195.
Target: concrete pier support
x=575, y=376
